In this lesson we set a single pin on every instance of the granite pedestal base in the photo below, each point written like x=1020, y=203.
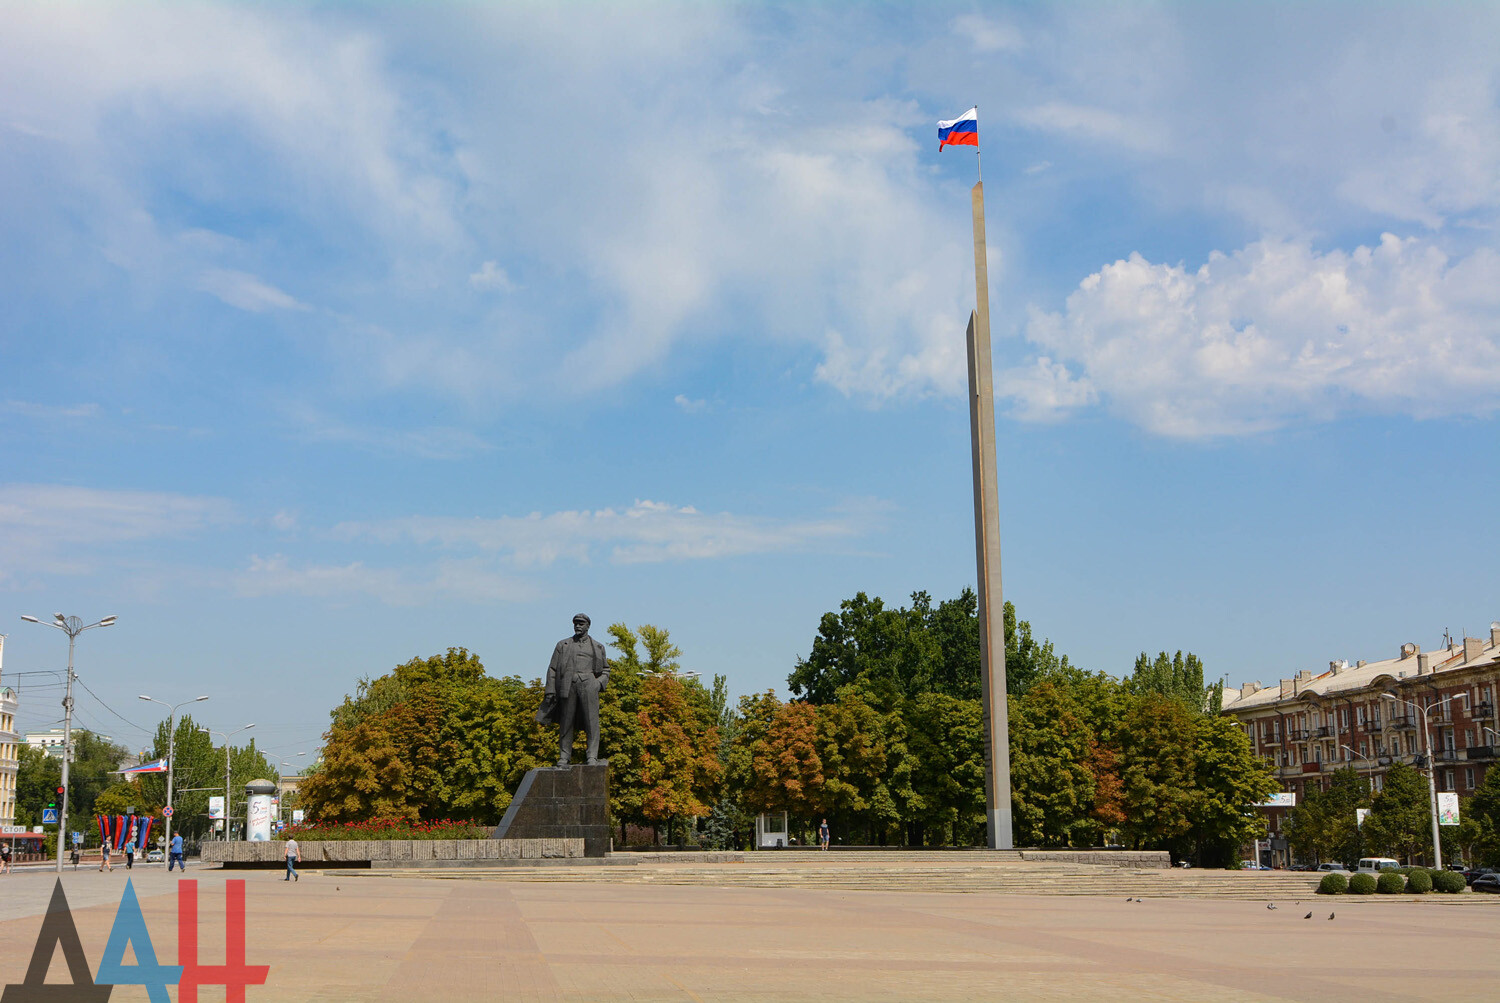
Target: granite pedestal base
x=561, y=802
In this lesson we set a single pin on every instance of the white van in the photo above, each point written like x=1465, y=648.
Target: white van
x=1332, y=868
x=1374, y=865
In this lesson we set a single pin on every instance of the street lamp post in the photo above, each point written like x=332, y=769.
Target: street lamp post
x=226, y=736
x=1437, y=839
x=171, y=757
x=72, y=626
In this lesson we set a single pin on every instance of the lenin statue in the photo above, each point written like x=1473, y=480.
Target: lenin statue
x=576, y=676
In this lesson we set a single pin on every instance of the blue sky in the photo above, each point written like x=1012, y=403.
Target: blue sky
x=335, y=335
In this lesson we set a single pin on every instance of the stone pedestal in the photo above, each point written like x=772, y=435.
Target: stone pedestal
x=561, y=802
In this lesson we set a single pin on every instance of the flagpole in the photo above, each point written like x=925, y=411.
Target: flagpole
x=998, y=820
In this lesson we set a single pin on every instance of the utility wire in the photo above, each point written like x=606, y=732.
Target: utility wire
x=144, y=731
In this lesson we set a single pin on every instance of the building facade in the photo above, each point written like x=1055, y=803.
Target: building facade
x=10, y=745
x=1310, y=725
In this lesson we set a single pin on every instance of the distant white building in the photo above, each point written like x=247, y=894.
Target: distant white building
x=9, y=746
x=51, y=741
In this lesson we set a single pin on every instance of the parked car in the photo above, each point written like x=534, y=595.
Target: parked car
x=1477, y=872
x=153, y=856
x=1375, y=865
x=1487, y=883
x=1333, y=868
x=1253, y=865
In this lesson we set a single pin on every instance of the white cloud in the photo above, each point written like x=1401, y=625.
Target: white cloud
x=245, y=291
x=491, y=276
x=430, y=442
x=1277, y=332
x=1094, y=123
x=56, y=529
x=646, y=532
x=469, y=581
x=688, y=404
x=51, y=411
x=988, y=35
x=1044, y=390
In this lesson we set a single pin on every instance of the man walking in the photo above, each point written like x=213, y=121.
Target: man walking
x=576, y=676
x=293, y=853
x=4, y=858
x=823, y=834
x=176, y=857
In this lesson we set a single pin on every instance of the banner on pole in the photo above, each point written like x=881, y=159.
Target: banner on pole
x=1448, y=808
x=1359, y=817
x=216, y=807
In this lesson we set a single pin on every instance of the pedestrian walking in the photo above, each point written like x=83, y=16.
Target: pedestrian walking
x=104, y=863
x=176, y=858
x=129, y=856
x=73, y=857
x=293, y=853
x=4, y=858
x=823, y=834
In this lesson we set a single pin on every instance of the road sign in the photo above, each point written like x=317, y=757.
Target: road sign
x=77, y=839
x=167, y=812
x=49, y=816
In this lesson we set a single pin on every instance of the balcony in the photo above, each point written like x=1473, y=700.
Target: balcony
x=1480, y=752
x=1321, y=732
x=1383, y=760
x=1313, y=767
x=1484, y=709
x=1446, y=755
x=1403, y=721
x=1297, y=735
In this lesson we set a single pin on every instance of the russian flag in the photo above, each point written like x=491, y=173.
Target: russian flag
x=160, y=766
x=961, y=131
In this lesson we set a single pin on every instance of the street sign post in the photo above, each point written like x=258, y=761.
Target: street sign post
x=167, y=812
x=49, y=816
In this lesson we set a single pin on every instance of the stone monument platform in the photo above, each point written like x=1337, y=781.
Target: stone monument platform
x=561, y=802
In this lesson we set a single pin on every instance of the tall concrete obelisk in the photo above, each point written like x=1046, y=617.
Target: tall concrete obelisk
x=987, y=550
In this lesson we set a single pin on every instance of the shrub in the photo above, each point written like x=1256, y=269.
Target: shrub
x=386, y=828
x=1362, y=884
x=1333, y=884
x=1390, y=883
x=1418, y=882
x=1448, y=882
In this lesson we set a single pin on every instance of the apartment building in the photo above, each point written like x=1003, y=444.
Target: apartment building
x=1310, y=725
x=10, y=744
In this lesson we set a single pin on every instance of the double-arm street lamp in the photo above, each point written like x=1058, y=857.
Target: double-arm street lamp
x=171, y=756
x=226, y=736
x=72, y=626
x=1437, y=840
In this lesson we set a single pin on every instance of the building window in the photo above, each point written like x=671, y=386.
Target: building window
x=1378, y=782
x=1447, y=780
x=1469, y=778
x=1364, y=750
x=1469, y=739
x=1395, y=745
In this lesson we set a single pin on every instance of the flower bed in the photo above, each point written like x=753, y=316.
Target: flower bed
x=385, y=828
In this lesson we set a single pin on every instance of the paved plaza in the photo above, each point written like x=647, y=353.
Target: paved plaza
x=342, y=936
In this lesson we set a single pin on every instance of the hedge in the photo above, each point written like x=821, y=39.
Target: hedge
x=1448, y=882
x=1418, y=882
x=1362, y=884
x=1390, y=883
x=1333, y=884
x=386, y=828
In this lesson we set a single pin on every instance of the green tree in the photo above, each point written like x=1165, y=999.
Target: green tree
x=1228, y=780
x=1178, y=677
x=1325, y=825
x=1400, y=822
x=1157, y=773
x=851, y=746
x=680, y=766
x=945, y=740
x=120, y=798
x=1484, y=809
x=38, y=776
x=1052, y=788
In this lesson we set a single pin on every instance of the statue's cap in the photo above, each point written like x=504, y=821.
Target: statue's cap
x=581, y=616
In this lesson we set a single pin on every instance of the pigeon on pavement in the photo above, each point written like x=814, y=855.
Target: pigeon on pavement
x=1309, y=915
x=1270, y=905
x=1330, y=915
